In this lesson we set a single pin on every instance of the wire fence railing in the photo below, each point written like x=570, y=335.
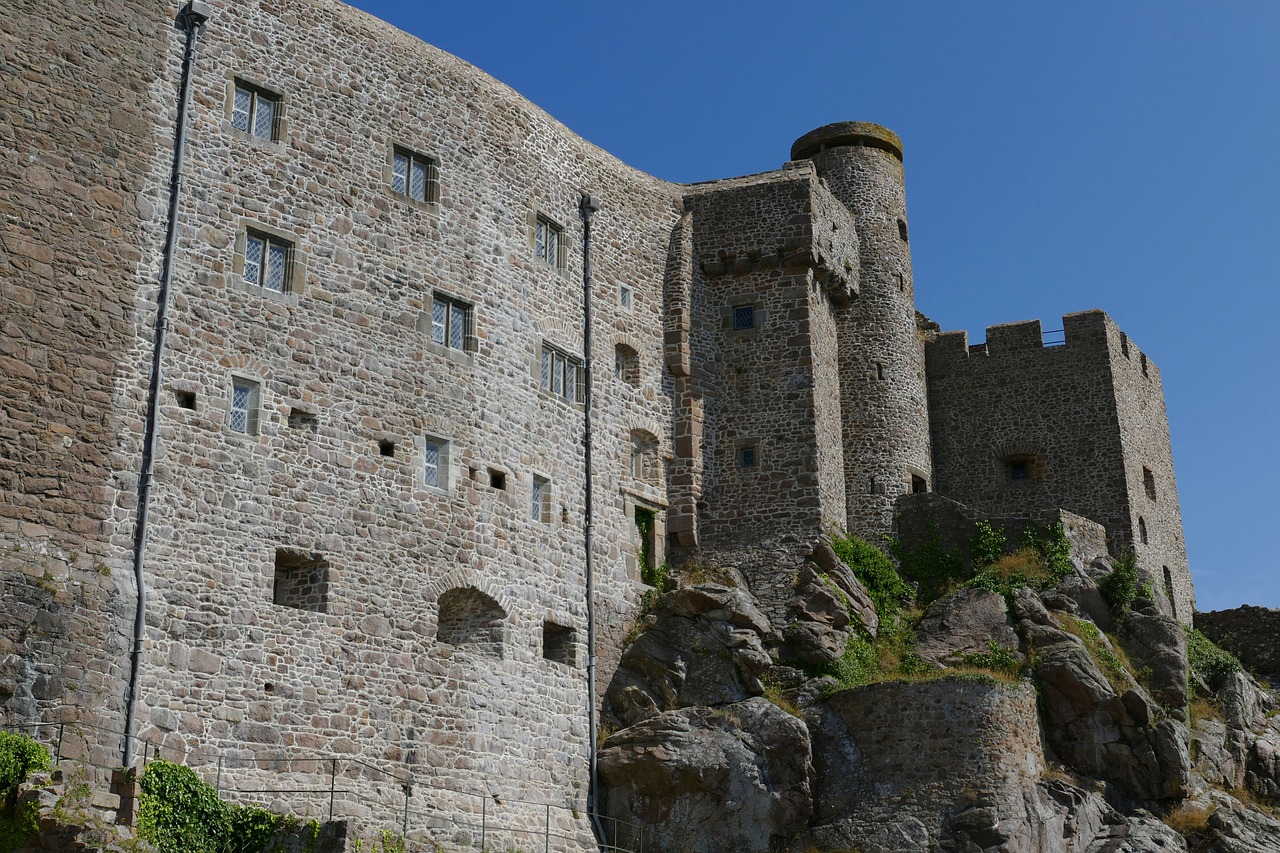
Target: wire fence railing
x=369, y=796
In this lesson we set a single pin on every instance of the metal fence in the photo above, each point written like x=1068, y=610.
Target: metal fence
x=371, y=797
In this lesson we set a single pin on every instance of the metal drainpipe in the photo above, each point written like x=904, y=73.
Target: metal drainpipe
x=193, y=17
x=587, y=207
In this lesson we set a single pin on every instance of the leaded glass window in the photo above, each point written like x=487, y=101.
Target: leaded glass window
x=451, y=323
x=255, y=111
x=244, y=407
x=266, y=261
x=414, y=176
x=547, y=237
x=562, y=374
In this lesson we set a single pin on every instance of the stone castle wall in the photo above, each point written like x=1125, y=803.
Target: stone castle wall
x=1021, y=428
x=1249, y=633
x=377, y=549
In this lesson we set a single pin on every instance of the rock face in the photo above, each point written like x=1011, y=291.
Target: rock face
x=1079, y=756
x=720, y=780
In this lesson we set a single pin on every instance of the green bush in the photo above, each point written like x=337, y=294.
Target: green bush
x=19, y=755
x=986, y=545
x=1053, y=547
x=1120, y=587
x=932, y=567
x=875, y=571
x=182, y=814
x=1208, y=660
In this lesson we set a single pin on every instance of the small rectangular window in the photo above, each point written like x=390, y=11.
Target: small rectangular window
x=747, y=457
x=540, y=500
x=435, y=462
x=744, y=317
x=244, y=407
x=255, y=111
x=562, y=374
x=301, y=581
x=558, y=643
x=451, y=323
x=626, y=297
x=414, y=176
x=267, y=261
x=548, y=242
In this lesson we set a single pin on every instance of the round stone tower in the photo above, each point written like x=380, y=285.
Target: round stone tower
x=883, y=406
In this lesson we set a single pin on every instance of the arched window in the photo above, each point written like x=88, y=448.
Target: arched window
x=626, y=365
x=471, y=620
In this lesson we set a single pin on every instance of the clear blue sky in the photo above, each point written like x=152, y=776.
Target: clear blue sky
x=1059, y=157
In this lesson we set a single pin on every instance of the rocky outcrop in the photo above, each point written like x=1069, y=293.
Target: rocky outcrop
x=1078, y=756
x=715, y=780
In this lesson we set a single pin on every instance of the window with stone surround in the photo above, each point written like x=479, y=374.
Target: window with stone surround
x=744, y=317
x=267, y=261
x=626, y=297
x=626, y=365
x=255, y=111
x=242, y=416
x=645, y=465
x=435, y=463
x=747, y=454
x=540, y=500
x=414, y=176
x=452, y=323
x=301, y=581
x=548, y=241
x=561, y=374
x=472, y=621
x=558, y=643
x=1149, y=482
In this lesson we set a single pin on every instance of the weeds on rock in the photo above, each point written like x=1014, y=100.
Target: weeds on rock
x=1120, y=586
x=1208, y=661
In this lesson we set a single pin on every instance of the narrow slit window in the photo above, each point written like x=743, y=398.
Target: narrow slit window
x=540, y=500
x=244, y=407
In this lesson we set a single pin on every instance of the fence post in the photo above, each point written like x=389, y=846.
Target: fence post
x=484, y=814
x=58, y=750
x=546, y=835
x=333, y=773
x=217, y=786
x=404, y=828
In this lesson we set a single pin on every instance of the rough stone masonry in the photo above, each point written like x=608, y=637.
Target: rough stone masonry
x=366, y=535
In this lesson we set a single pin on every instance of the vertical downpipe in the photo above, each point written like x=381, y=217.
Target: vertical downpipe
x=587, y=207
x=192, y=17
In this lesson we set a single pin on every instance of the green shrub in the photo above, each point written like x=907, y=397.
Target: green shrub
x=1208, y=660
x=996, y=659
x=935, y=570
x=20, y=755
x=986, y=545
x=1120, y=587
x=1053, y=547
x=875, y=571
x=180, y=813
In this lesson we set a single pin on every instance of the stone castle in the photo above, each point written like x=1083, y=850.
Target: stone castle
x=296, y=391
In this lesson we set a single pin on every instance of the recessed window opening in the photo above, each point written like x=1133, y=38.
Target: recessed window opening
x=747, y=457
x=902, y=283
x=540, y=500
x=1168, y=591
x=434, y=462
x=185, y=399
x=626, y=365
x=451, y=323
x=255, y=111
x=880, y=374
x=302, y=419
x=266, y=261
x=301, y=581
x=902, y=230
x=744, y=317
x=1124, y=344
x=414, y=176
x=386, y=448
x=1019, y=469
x=558, y=643
x=1149, y=482
x=1142, y=530
x=1143, y=361
x=626, y=296
x=548, y=240
x=498, y=479
x=647, y=538
x=244, y=407
x=918, y=485
x=562, y=374
x=472, y=621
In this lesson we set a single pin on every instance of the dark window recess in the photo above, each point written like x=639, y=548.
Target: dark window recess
x=902, y=230
x=918, y=485
x=1168, y=590
x=497, y=479
x=557, y=643
x=301, y=581
x=744, y=317
x=1124, y=344
x=1143, y=359
x=386, y=448
x=1149, y=482
x=1142, y=531
x=302, y=419
x=472, y=620
x=880, y=374
x=1019, y=469
x=185, y=399
x=747, y=457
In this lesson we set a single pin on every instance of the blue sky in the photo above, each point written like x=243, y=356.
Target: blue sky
x=1059, y=157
